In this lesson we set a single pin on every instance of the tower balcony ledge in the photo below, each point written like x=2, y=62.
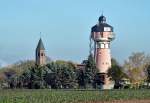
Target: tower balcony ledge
x=102, y=39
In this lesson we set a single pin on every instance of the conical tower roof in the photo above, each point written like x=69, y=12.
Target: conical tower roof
x=40, y=45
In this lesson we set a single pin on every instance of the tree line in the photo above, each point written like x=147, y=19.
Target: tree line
x=65, y=75
x=55, y=75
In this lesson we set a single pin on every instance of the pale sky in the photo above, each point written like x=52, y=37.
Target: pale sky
x=66, y=25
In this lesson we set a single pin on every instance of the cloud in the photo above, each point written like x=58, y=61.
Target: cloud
x=3, y=63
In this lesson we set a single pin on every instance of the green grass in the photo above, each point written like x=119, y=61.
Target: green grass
x=69, y=96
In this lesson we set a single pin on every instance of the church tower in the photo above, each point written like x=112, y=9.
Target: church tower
x=40, y=54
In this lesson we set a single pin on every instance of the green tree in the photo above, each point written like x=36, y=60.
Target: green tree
x=81, y=78
x=33, y=78
x=116, y=73
x=90, y=71
x=51, y=77
x=63, y=75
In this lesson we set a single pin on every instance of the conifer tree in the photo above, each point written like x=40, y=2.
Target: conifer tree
x=90, y=71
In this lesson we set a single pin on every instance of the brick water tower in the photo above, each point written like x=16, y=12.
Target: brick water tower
x=101, y=36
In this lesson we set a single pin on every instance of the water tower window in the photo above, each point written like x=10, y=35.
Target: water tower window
x=106, y=45
x=102, y=45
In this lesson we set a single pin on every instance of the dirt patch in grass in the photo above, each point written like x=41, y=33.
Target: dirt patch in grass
x=124, y=101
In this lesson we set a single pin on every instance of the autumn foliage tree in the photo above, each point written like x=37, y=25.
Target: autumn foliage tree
x=135, y=68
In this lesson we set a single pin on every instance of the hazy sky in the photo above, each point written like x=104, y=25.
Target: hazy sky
x=66, y=25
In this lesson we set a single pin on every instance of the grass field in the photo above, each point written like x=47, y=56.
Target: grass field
x=69, y=96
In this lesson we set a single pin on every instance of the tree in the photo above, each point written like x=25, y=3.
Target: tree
x=116, y=74
x=135, y=68
x=51, y=77
x=59, y=74
x=37, y=77
x=13, y=73
x=148, y=75
x=63, y=75
x=81, y=78
x=33, y=78
x=90, y=71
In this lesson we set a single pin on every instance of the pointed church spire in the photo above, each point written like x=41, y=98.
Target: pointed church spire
x=40, y=45
x=40, y=53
